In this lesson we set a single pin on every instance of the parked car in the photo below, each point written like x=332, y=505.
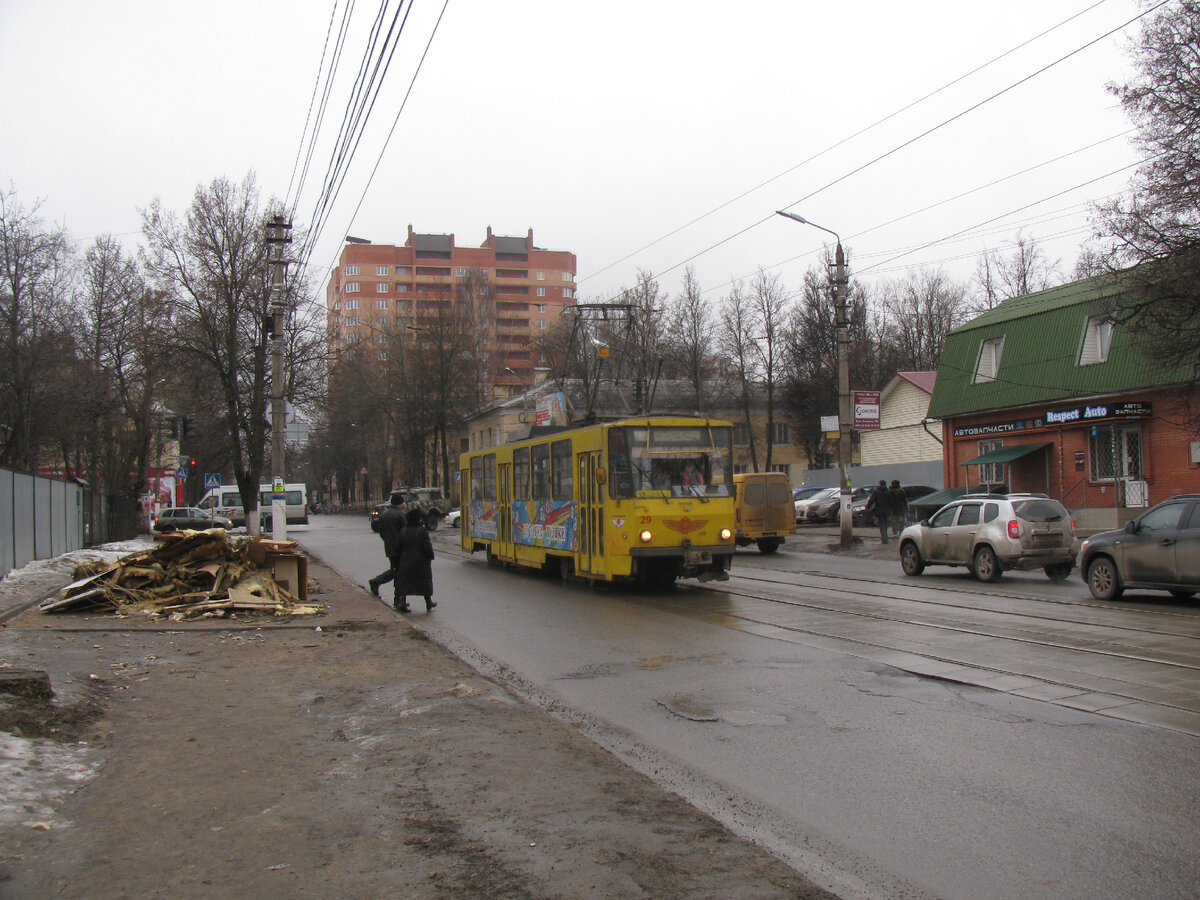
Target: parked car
x=429, y=500
x=803, y=506
x=830, y=510
x=1159, y=550
x=452, y=518
x=804, y=492
x=858, y=506
x=180, y=518
x=989, y=533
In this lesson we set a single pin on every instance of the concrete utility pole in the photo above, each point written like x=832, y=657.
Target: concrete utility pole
x=279, y=234
x=845, y=422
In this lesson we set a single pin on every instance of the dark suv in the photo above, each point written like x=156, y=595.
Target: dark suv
x=1159, y=550
x=428, y=500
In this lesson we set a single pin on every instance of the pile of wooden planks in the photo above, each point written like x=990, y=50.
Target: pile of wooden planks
x=188, y=574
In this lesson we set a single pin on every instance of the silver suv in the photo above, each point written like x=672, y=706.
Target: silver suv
x=989, y=533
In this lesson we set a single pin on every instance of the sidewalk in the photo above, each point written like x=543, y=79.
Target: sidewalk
x=343, y=755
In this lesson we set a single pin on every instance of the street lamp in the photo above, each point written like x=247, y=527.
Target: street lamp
x=843, y=364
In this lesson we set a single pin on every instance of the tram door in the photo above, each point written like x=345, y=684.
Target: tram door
x=504, y=528
x=591, y=516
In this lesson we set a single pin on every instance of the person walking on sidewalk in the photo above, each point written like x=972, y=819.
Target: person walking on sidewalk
x=899, y=501
x=881, y=502
x=414, y=563
x=389, y=525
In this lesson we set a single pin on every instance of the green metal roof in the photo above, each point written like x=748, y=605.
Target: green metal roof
x=1043, y=334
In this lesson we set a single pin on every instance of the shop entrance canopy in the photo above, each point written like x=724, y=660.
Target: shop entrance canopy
x=1006, y=454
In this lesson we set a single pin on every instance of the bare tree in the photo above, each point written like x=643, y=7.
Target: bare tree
x=921, y=308
x=35, y=350
x=1025, y=270
x=212, y=265
x=737, y=341
x=691, y=338
x=770, y=306
x=1157, y=226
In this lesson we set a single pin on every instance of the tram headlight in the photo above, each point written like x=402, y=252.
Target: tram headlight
x=726, y=534
x=645, y=535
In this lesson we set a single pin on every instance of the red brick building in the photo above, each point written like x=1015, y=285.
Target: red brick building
x=1049, y=393
x=519, y=292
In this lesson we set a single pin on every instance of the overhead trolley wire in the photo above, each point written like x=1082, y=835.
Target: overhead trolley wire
x=308, y=115
x=922, y=135
x=343, y=30
x=849, y=138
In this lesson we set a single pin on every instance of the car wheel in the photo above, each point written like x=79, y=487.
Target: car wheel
x=768, y=545
x=910, y=559
x=432, y=521
x=1060, y=572
x=986, y=566
x=1103, y=580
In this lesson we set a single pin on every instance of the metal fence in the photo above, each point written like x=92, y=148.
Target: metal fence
x=41, y=518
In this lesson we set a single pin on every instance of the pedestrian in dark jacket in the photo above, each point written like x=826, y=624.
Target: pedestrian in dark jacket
x=414, y=563
x=389, y=525
x=899, y=501
x=881, y=502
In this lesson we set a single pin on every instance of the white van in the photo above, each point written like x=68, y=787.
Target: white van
x=229, y=502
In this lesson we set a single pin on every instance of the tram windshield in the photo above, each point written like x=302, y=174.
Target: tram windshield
x=670, y=461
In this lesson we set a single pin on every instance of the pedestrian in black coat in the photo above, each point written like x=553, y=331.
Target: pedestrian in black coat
x=899, y=501
x=414, y=562
x=389, y=525
x=881, y=501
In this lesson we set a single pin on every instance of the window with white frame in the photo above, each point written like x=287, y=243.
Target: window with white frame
x=989, y=360
x=568, y=276
x=353, y=320
x=780, y=433
x=351, y=270
x=381, y=338
x=462, y=272
x=383, y=271
x=541, y=292
x=991, y=473
x=381, y=355
x=1097, y=338
x=381, y=304
x=352, y=303
x=541, y=275
x=568, y=292
x=383, y=321
x=541, y=307
x=351, y=287
x=353, y=337
x=381, y=287
x=541, y=324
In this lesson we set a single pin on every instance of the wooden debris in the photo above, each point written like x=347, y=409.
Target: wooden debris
x=187, y=574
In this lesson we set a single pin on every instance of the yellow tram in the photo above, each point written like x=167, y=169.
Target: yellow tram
x=645, y=499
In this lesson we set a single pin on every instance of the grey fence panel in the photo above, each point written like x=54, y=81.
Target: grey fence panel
x=43, y=542
x=39, y=518
x=23, y=520
x=7, y=523
x=930, y=473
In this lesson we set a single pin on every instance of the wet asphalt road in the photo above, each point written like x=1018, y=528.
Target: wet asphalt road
x=792, y=704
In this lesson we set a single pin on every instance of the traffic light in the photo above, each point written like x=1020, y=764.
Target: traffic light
x=192, y=464
x=187, y=428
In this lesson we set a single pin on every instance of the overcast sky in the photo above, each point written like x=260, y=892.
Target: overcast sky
x=609, y=129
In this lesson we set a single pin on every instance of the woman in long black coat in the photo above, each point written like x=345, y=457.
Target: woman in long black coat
x=414, y=566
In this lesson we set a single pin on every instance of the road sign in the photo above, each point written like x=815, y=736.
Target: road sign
x=212, y=480
x=866, y=410
x=181, y=472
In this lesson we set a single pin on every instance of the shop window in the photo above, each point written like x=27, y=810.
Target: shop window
x=1116, y=453
x=990, y=473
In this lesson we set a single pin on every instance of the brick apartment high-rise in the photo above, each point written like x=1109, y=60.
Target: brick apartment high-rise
x=379, y=289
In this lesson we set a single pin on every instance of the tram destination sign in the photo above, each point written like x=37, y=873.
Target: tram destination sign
x=1070, y=415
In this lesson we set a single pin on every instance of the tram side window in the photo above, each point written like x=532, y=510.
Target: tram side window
x=561, y=471
x=489, y=477
x=618, y=461
x=477, y=478
x=521, y=473
x=540, y=474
